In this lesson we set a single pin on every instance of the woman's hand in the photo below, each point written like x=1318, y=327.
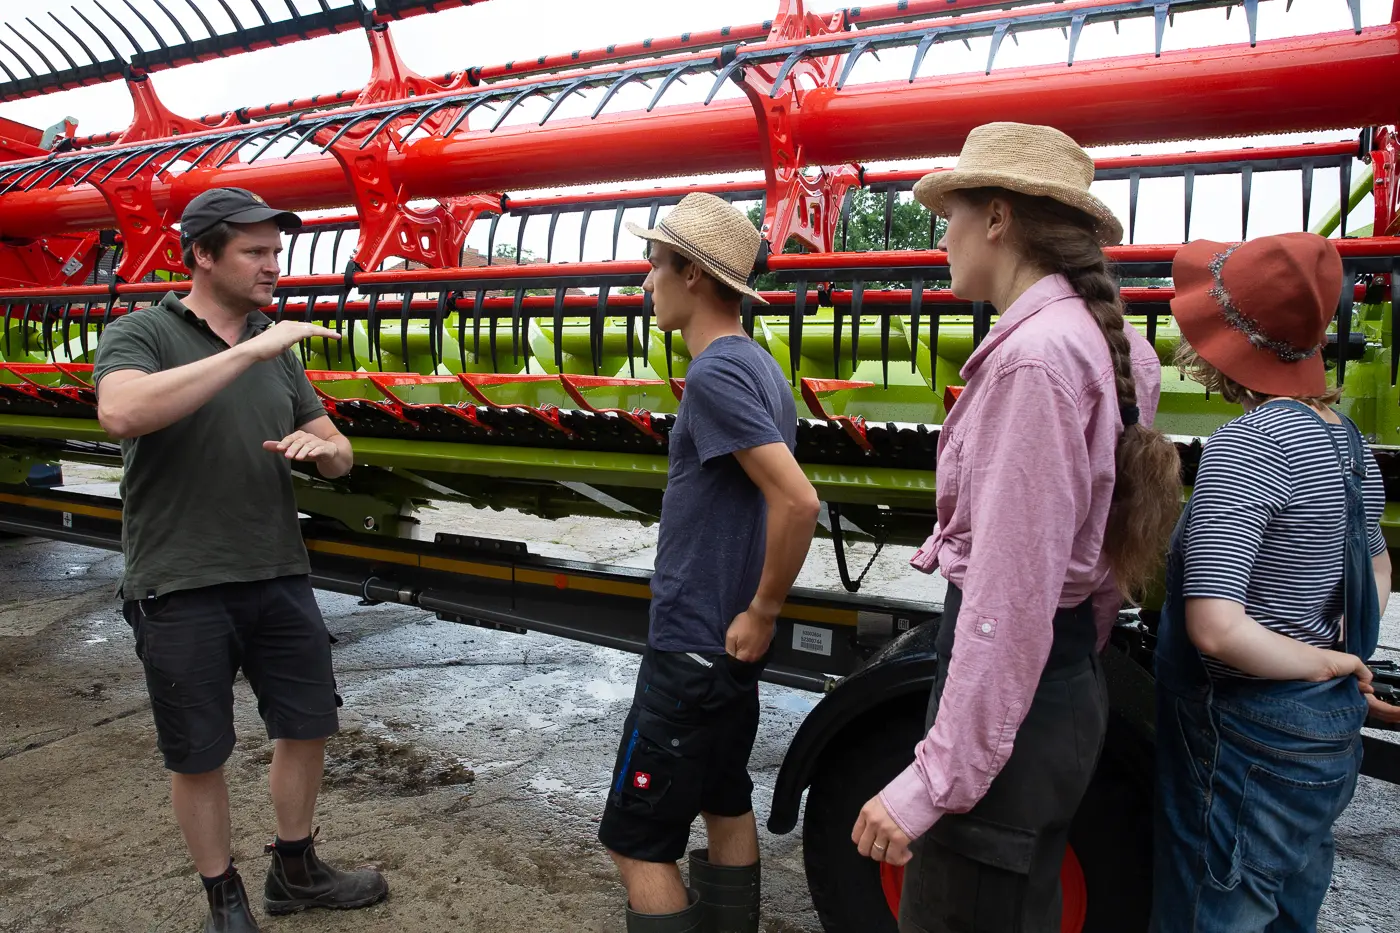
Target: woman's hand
x=878, y=836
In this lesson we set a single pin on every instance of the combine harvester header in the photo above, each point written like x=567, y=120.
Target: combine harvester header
x=542, y=385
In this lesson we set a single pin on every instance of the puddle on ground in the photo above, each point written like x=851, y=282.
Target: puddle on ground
x=362, y=761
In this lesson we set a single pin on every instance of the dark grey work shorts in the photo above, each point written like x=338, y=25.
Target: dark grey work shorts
x=193, y=643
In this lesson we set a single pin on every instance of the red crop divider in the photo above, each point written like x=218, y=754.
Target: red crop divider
x=639, y=418
x=853, y=425
x=385, y=382
x=332, y=403
x=85, y=393
x=549, y=414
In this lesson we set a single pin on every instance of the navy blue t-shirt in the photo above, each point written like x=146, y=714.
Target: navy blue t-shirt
x=710, y=546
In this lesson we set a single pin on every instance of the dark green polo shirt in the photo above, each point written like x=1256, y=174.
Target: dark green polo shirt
x=202, y=502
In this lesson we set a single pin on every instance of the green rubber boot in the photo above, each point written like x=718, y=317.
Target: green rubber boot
x=690, y=920
x=729, y=895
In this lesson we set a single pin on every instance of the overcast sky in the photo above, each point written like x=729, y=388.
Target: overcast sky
x=501, y=30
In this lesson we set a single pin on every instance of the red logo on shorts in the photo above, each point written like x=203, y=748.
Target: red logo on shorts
x=641, y=780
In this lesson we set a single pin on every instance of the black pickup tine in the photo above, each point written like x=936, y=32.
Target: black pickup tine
x=1344, y=312
x=670, y=369
x=291, y=250
x=25, y=39
x=404, y=312
x=549, y=239
x=889, y=214
x=857, y=306
x=836, y=340
x=980, y=323
x=291, y=127
x=311, y=251
x=491, y=238
x=524, y=331
x=9, y=306
x=308, y=132
x=671, y=78
x=789, y=63
x=1152, y=326
x=630, y=324
x=596, y=325
x=885, y=348
x=97, y=164
x=559, y=292
x=263, y=13
x=281, y=312
x=83, y=332
x=482, y=101
x=1076, y=27
x=101, y=34
x=799, y=313
x=852, y=57
x=13, y=76
x=924, y=45
x=1394, y=303
x=998, y=34
x=372, y=330
x=1307, y=192
x=1246, y=191
x=916, y=304
x=515, y=329
x=479, y=305
x=121, y=26
x=1345, y=202
x=335, y=248
x=722, y=76
x=390, y=117
x=340, y=329
x=155, y=154
x=149, y=28
x=647, y=306
x=81, y=44
x=563, y=95
x=347, y=127
x=617, y=227
x=435, y=330
x=48, y=332
x=1190, y=177
x=583, y=233
x=520, y=239
x=514, y=102
x=24, y=328
x=68, y=327
x=233, y=150
x=1134, y=181
x=20, y=173
x=40, y=30
x=175, y=22
x=612, y=91
x=426, y=115
x=120, y=162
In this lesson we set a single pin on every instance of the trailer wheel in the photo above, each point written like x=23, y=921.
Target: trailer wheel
x=1106, y=878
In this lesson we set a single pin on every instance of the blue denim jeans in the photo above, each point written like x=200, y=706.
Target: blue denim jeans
x=1250, y=779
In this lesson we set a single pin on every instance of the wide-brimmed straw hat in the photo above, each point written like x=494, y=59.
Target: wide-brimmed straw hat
x=713, y=234
x=1035, y=160
x=1259, y=311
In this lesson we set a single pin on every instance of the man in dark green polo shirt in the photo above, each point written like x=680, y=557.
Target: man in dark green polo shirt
x=211, y=406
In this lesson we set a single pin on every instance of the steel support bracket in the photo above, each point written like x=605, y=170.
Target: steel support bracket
x=796, y=204
x=433, y=236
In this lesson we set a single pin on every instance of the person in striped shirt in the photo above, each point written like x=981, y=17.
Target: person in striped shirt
x=1276, y=581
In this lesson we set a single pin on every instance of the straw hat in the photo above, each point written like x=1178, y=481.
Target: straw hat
x=1035, y=160
x=711, y=233
x=1259, y=311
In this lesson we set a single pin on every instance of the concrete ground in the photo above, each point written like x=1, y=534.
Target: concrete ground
x=472, y=765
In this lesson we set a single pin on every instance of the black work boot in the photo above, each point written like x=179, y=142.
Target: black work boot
x=729, y=896
x=684, y=921
x=228, y=907
x=303, y=881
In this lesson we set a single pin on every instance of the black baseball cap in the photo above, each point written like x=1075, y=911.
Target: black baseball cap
x=234, y=205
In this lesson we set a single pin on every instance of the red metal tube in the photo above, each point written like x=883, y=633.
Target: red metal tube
x=1286, y=85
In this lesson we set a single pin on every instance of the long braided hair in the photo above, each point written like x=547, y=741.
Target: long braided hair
x=1147, y=481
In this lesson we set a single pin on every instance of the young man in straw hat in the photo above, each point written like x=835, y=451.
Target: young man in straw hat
x=736, y=522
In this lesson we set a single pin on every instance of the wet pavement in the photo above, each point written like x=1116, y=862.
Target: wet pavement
x=473, y=764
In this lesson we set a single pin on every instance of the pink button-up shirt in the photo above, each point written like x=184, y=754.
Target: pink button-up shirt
x=1025, y=476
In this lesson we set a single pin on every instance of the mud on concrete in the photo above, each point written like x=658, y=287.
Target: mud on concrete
x=472, y=765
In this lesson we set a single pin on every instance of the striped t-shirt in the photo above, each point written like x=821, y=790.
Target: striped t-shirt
x=1268, y=519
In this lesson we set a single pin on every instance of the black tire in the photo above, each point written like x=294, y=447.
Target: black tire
x=860, y=761
x=1112, y=834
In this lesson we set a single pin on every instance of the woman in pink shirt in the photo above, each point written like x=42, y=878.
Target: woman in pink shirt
x=1055, y=498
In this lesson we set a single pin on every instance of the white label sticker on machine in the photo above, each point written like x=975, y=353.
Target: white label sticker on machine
x=811, y=639
x=67, y=519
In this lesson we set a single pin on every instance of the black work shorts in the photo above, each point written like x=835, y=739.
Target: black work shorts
x=192, y=644
x=684, y=751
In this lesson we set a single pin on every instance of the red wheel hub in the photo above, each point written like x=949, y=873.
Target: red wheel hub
x=1074, y=894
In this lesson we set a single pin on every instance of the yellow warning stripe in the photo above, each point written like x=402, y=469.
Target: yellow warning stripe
x=558, y=580
x=54, y=505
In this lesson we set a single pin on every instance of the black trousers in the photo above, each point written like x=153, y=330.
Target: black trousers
x=996, y=868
